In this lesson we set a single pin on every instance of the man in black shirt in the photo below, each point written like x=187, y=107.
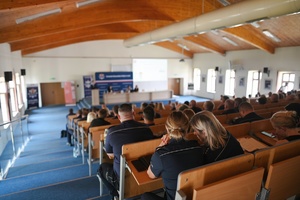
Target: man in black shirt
x=247, y=114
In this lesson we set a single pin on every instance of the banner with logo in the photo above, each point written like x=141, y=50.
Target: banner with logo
x=87, y=85
x=69, y=90
x=118, y=80
x=32, y=96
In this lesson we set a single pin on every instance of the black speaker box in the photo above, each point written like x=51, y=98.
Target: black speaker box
x=217, y=69
x=266, y=70
x=23, y=72
x=8, y=76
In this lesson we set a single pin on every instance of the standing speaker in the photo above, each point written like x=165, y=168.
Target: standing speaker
x=8, y=76
x=266, y=70
x=23, y=72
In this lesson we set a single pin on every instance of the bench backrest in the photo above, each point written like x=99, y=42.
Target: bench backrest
x=158, y=130
x=266, y=157
x=136, y=150
x=283, y=179
x=261, y=125
x=204, y=175
x=239, y=130
x=246, y=185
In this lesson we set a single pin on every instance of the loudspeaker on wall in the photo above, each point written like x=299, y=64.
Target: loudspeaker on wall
x=266, y=70
x=8, y=76
x=23, y=72
x=217, y=69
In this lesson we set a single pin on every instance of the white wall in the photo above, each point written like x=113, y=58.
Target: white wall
x=287, y=59
x=74, y=61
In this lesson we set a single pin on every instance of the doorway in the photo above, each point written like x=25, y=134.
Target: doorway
x=174, y=84
x=52, y=94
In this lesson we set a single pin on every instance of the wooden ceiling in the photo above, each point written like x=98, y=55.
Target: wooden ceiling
x=123, y=19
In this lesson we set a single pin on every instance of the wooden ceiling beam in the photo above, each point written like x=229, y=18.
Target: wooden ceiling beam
x=11, y=5
x=110, y=29
x=76, y=40
x=102, y=13
x=250, y=35
x=174, y=47
x=208, y=45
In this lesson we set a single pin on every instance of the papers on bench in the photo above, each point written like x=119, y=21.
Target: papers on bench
x=142, y=163
x=250, y=144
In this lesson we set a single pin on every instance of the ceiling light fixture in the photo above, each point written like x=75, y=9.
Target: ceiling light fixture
x=224, y=2
x=271, y=35
x=38, y=15
x=84, y=3
x=184, y=47
x=229, y=41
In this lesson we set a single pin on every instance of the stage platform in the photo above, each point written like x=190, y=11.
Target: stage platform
x=87, y=102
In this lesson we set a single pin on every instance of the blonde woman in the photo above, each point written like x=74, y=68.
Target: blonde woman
x=174, y=155
x=285, y=124
x=218, y=142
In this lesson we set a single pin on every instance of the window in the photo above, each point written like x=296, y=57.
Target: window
x=18, y=89
x=253, y=82
x=229, y=82
x=211, y=80
x=287, y=82
x=197, y=78
x=3, y=101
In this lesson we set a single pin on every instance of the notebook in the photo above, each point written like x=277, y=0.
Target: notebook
x=142, y=163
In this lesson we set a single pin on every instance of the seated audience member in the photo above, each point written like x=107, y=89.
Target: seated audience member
x=157, y=115
x=100, y=121
x=237, y=102
x=129, y=131
x=136, y=88
x=244, y=99
x=293, y=107
x=174, y=155
x=182, y=107
x=187, y=103
x=64, y=133
x=247, y=114
x=286, y=124
x=229, y=107
x=262, y=99
x=173, y=106
x=70, y=132
x=109, y=89
x=193, y=106
x=189, y=113
x=223, y=98
x=209, y=106
x=290, y=96
x=160, y=106
x=274, y=98
x=91, y=116
x=149, y=115
x=219, y=144
x=115, y=112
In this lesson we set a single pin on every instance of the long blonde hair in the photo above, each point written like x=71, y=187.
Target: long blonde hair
x=177, y=124
x=205, y=121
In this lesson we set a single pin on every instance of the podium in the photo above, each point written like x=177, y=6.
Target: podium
x=95, y=97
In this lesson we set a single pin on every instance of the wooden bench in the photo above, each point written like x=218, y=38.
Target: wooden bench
x=207, y=174
x=241, y=132
x=242, y=186
x=158, y=130
x=96, y=137
x=262, y=125
x=283, y=180
x=266, y=157
x=132, y=182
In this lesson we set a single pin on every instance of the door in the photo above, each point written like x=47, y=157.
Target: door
x=174, y=84
x=52, y=94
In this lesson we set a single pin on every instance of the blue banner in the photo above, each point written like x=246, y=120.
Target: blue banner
x=87, y=85
x=118, y=80
x=32, y=96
